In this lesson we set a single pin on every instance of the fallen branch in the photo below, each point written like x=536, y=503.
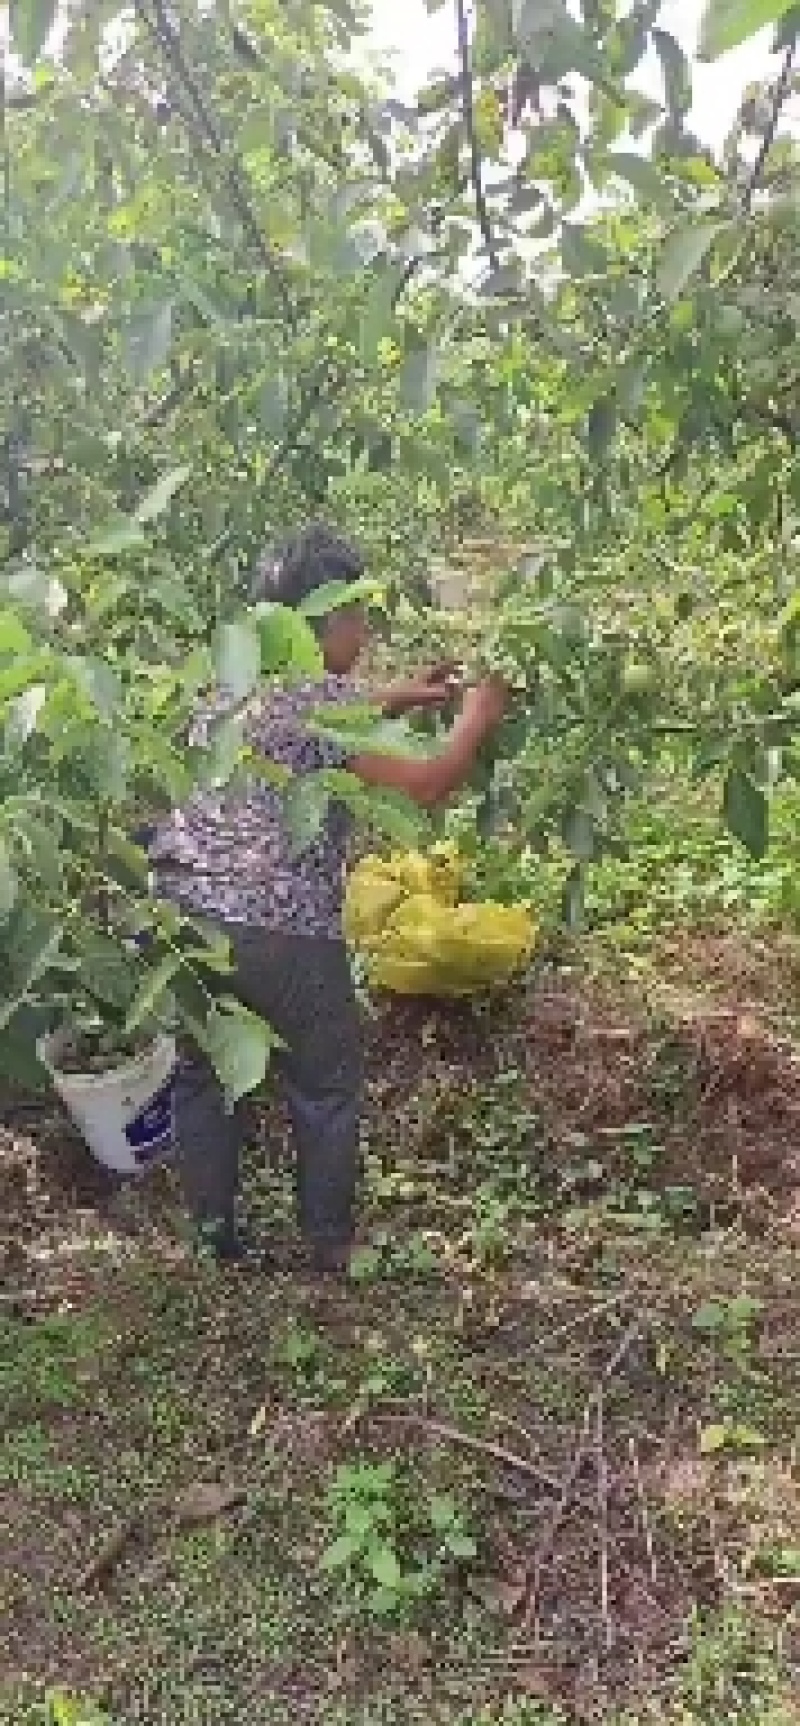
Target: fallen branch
x=201, y=1502
x=602, y=1500
x=569, y=1482
x=476, y=1446
x=100, y=1565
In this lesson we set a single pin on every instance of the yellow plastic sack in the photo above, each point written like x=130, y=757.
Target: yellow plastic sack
x=433, y=949
x=403, y=914
x=497, y=938
x=446, y=871
x=367, y=910
x=439, y=873
x=378, y=884
x=410, y=977
x=417, y=928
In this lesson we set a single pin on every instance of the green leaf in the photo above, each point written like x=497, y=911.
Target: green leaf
x=644, y=177
x=359, y=1519
x=217, y=762
x=84, y=344
x=288, y=644
x=18, y=1058
x=747, y=812
x=418, y=378
x=461, y=1545
x=443, y=1511
x=385, y=1566
x=152, y=991
x=146, y=340
x=14, y=637
x=579, y=834
x=105, y=970
x=601, y=427
x=305, y=805
x=273, y=406
x=710, y=1317
x=38, y=591
x=683, y=253
x=239, y=1044
x=747, y=1438
x=64, y=1710
x=158, y=498
x=580, y=255
x=630, y=385
x=731, y=1436
x=744, y=1309
x=376, y=314
x=109, y=758
x=676, y=72
x=726, y=23
x=335, y=595
x=31, y=22
x=32, y=944
x=388, y=813
x=9, y=884
x=116, y=537
x=713, y=1439
x=101, y=683
x=362, y=727
x=196, y=295
x=237, y=658
x=531, y=19
x=340, y=1553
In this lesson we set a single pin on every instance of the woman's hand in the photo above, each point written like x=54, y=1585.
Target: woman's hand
x=430, y=690
x=486, y=705
x=439, y=685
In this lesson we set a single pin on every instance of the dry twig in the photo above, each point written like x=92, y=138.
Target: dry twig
x=477, y=1446
x=543, y=1554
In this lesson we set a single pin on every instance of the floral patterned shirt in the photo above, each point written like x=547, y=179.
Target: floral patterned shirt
x=227, y=855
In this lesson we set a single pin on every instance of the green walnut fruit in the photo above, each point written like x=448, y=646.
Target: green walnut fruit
x=638, y=679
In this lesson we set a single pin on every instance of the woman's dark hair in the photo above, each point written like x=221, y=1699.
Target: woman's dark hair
x=311, y=559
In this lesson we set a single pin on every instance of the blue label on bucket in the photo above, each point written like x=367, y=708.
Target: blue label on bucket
x=152, y=1130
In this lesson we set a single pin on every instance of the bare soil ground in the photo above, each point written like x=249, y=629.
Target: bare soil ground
x=565, y=1197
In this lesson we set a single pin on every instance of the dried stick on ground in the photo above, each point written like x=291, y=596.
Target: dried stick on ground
x=544, y=1552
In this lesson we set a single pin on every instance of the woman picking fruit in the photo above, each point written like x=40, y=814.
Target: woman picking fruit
x=228, y=858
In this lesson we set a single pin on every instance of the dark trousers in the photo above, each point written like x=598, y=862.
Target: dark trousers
x=303, y=987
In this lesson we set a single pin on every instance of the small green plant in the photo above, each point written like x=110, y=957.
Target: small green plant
x=388, y=1551
x=64, y=1710
x=390, y=1260
x=490, y=1235
x=733, y=1671
x=44, y=1364
x=303, y=1357
x=729, y=1323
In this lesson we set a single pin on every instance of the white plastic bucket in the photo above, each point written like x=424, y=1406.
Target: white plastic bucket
x=124, y=1113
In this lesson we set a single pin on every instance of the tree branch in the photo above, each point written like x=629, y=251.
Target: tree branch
x=162, y=32
x=468, y=112
x=336, y=379
x=779, y=95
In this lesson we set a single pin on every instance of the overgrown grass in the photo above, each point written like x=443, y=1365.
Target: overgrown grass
x=343, y=1587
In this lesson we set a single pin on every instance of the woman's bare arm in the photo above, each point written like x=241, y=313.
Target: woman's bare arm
x=433, y=779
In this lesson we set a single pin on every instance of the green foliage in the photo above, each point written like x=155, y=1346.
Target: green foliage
x=388, y=1552
x=216, y=320
x=726, y=23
